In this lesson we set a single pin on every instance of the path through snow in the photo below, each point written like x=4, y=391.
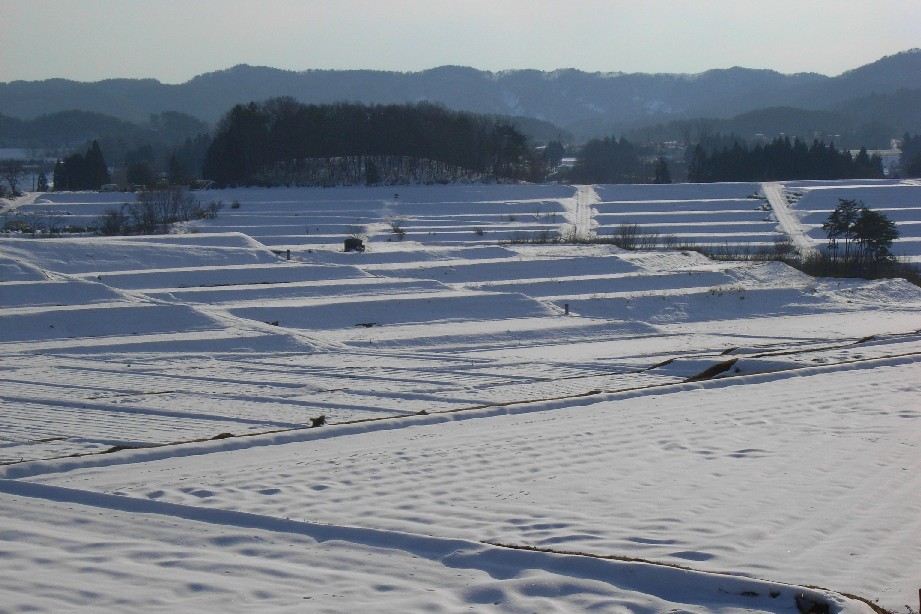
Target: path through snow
x=579, y=210
x=773, y=191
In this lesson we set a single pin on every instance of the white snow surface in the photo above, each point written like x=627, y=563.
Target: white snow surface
x=509, y=427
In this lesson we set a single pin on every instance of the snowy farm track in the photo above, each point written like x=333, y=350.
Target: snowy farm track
x=774, y=193
x=478, y=388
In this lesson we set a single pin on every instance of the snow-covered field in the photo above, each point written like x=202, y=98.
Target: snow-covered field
x=509, y=427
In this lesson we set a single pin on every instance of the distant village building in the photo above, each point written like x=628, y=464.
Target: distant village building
x=890, y=158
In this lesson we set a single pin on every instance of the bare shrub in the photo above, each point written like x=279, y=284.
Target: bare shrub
x=115, y=221
x=157, y=209
x=670, y=241
x=538, y=237
x=396, y=227
x=627, y=236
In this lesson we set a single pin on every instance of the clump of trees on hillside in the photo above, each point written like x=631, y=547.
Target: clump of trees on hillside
x=280, y=140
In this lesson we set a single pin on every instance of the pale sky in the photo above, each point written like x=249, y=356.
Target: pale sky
x=175, y=40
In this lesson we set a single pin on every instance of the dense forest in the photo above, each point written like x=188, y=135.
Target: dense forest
x=271, y=143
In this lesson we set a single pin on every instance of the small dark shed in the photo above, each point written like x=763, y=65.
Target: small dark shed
x=353, y=244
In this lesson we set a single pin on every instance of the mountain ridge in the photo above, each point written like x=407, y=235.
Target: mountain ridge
x=586, y=103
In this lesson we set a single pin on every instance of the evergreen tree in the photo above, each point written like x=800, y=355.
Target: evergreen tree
x=176, y=173
x=913, y=169
x=697, y=166
x=81, y=172
x=662, y=174
x=840, y=223
x=874, y=233
x=59, y=176
x=910, y=160
x=42, y=182
x=140, y=173
x=96, y=171
x=554, y=152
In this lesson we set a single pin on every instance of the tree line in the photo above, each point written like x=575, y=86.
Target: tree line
x=719, y=158
x=255, y=138
x=781, y=159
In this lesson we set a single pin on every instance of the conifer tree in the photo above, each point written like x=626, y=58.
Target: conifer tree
x=96, y=171
x=662, y=174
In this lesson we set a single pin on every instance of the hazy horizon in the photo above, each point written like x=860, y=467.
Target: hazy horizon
x=173, y=41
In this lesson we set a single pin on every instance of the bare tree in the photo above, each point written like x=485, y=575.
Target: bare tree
x=12, y=172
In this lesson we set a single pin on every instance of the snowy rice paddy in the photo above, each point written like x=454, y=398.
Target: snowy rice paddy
x=509, y=427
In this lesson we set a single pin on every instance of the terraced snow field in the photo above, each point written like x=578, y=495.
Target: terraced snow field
x=480, y=394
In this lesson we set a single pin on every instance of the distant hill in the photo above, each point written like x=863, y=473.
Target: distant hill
x=587, y=104
x=65, y=129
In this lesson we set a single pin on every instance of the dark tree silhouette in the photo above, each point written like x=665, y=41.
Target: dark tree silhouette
x=283, y=140
x=609, y=160
x=910, y=160
x=662, y=174
x=81, y=172
x=554, y=152
x=870, y=231
x=12, y=173
x=781, y=159
x=874, y=233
